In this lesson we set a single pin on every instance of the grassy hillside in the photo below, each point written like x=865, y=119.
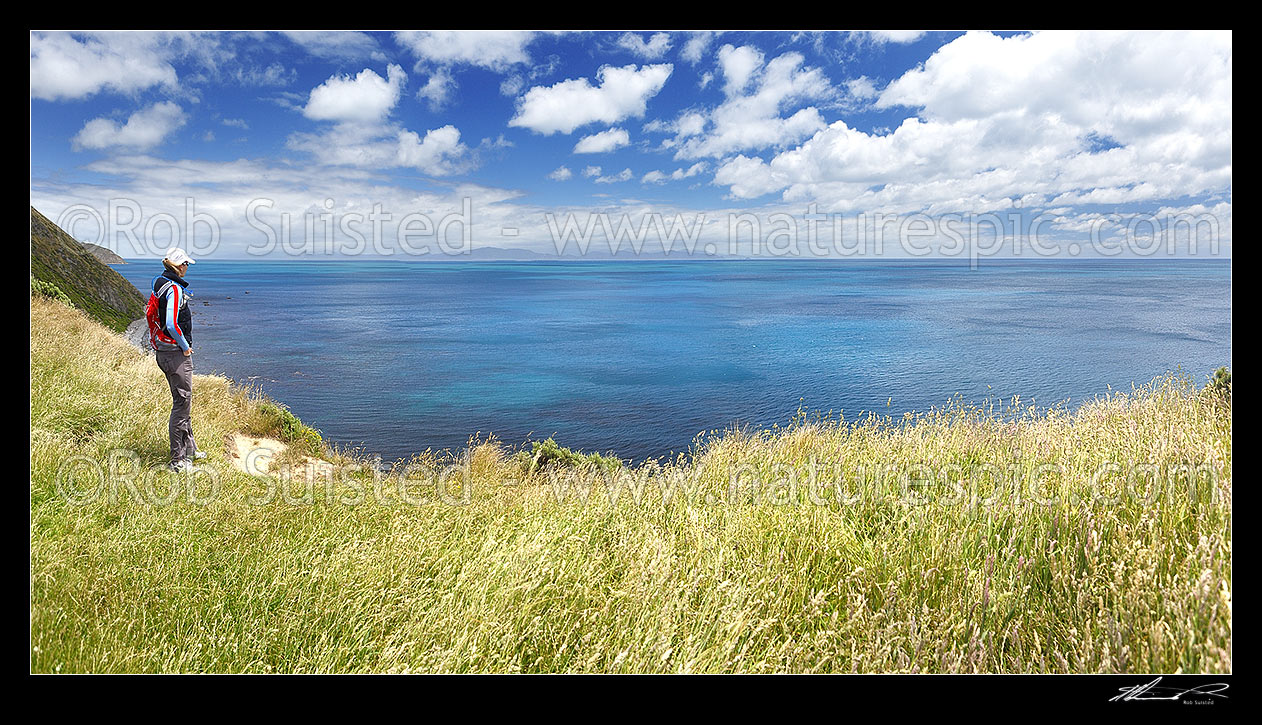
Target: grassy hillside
x=59, y=259
x=682, y=572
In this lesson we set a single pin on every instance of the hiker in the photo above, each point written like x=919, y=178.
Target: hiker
x=170, y=333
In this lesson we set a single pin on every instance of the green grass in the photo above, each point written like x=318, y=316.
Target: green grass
x=542, y=568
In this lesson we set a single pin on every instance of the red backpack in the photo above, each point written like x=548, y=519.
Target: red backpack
x=153, y=317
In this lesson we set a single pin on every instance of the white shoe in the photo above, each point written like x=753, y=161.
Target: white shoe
x=184, y=466
x=199, y=455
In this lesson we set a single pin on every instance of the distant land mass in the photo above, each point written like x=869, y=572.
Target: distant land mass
x=497, y=254
x=59, y=259
x=594, y=252
x=500, y=254
x=106, y=256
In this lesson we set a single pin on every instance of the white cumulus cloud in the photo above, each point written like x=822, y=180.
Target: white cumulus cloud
x=995, y=119
x=661, y=177
x=861, y=88
x=696, y=46
x=144, y=129
x=619, y=94
x=750, y=117
x=624, y=175
x=747, y=177
x=495, y=50
x=336, y=45
x=897, y=36
x=63, y=67
x=738, y=66
x=438, y=90
x=362, y=135
x=365, y=98
x=439, y=152
x=603, y=142
x=655, y=47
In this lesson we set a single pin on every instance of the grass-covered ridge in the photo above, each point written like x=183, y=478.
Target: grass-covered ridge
x=534, y=567
x=60, y=261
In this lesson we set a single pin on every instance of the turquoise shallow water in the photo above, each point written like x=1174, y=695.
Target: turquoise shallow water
x=639, y=357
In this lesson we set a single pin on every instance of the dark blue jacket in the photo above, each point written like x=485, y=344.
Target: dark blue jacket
x=174, y=313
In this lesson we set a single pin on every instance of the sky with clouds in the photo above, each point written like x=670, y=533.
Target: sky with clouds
x=1079, y=131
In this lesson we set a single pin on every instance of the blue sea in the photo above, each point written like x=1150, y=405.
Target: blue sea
x=638, y=357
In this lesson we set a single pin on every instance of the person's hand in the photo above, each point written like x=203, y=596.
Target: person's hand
x=188, y=352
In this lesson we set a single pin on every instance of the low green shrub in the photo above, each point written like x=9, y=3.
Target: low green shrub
x=48, y=289
x=1220, y=382
x=549, y=453
x=270, y=419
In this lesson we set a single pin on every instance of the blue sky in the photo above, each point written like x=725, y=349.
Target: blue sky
x=1085, y=131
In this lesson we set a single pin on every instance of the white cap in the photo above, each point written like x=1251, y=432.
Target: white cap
x=177, y=256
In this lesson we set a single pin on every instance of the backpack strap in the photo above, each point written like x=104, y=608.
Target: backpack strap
x=163, y=289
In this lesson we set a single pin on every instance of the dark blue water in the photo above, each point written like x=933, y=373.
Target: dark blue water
x=639, y=357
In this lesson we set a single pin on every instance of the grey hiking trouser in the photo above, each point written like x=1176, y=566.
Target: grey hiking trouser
x=179, y=371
